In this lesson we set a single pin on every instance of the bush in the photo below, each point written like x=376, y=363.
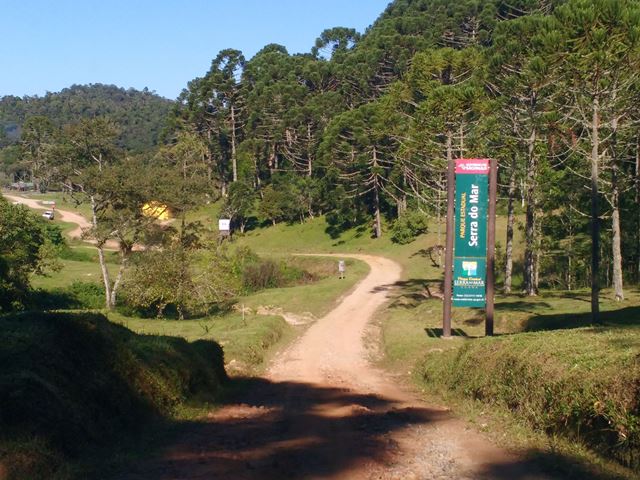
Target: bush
x=78, y=295
x=258, y=274
x=261, y=275
x=175, y=279
x=87, y=295
x=406, y=228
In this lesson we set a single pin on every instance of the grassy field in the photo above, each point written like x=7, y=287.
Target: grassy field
x=249, y=340
x=72, y=270
x=312, y=237
x=559, y=340
x=595, y=357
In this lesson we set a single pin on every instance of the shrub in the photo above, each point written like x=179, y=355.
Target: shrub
x=87, y=294
x=78, y=295
x=262, y=274
x=406, y=228
x=177, y=279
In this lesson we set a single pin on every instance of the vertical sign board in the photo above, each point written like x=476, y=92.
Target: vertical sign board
x=470, y=260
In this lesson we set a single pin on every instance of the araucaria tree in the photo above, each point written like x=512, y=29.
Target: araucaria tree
x=599, y=66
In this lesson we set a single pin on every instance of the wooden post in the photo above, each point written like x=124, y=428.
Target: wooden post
x=491, y=244
x=448, y=257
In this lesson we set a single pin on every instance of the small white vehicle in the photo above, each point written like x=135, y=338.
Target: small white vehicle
x=48, y=214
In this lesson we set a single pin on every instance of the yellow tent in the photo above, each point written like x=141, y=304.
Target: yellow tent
x=156, y=210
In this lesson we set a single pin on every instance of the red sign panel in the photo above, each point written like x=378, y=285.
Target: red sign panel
x=473, y=166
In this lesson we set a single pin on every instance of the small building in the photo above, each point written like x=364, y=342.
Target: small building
x=22, y=186
x=156, y=210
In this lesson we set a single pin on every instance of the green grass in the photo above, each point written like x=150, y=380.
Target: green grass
x=72, y=270
x=317, y=298
x=578, y=387
x=311, y=237
x=246, y=343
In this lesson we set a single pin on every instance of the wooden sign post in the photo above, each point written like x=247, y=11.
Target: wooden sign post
x=470, y=255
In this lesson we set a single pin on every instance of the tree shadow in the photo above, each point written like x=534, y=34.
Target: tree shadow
x=614, y=318
x=522, y=306
x=434, y=253
x=437, y=332
x=554, y=464
x=277, y=430
x=411, y=293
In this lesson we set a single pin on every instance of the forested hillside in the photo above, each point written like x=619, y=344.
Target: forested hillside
x=361, y=128
x=140, y=114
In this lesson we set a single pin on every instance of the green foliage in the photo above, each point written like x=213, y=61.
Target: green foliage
x=141, y=114
x=239, y=204
x=79, y=295
x=181, y=280
x=73, y=382
x=26, y=248
x=406, y=228
x=87, y=295
x=257, y=273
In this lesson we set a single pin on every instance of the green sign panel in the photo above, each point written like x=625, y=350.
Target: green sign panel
x=470, y=254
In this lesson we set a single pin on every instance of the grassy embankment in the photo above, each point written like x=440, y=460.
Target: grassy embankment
x=248, y=339
x=73, y=384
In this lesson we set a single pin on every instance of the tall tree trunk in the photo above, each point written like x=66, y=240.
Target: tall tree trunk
x=595, y=211
x=616, y=242
x=511, y=217
x=103, y=263
x=234, y=160
x=378, y=221
x=616, y=247
x=376, y=187
x=309, y=151
x=124, y=259
x=637, y=182
x=530, y=216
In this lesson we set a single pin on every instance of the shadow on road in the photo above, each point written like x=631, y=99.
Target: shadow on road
x=285, y=430
x=272, y=430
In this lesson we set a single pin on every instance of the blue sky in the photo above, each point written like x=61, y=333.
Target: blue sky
x=47, y=45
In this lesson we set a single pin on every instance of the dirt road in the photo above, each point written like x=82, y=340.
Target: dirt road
x=323, y=411
x=63, y=215
x=66, y=216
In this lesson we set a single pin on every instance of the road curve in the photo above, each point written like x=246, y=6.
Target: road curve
x=64, y=215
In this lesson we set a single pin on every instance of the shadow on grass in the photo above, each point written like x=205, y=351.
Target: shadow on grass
x=437, y=332
x=411, y=293
x=628, y=316
x=554, y=464
x=522, y=306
